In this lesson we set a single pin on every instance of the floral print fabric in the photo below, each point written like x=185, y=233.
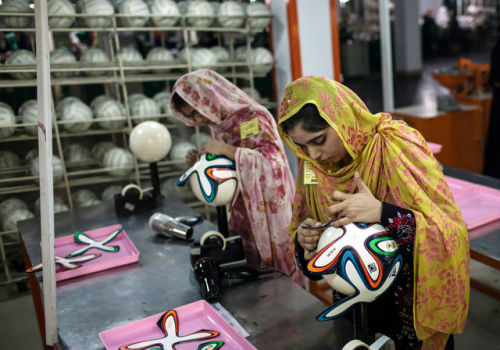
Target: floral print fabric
x=396, y=164
x=262, y=212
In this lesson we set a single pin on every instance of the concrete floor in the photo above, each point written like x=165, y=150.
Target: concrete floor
x=18, y=325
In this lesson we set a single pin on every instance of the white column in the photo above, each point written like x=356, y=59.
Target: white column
x=315, y=34
x=385, y=48
x=407, y=37
x=46, y=181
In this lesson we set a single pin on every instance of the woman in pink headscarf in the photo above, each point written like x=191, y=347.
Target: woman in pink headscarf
x=245, y=131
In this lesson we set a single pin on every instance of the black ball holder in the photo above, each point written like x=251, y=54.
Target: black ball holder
x=222, y=220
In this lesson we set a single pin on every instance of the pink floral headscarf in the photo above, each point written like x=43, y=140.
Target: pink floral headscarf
x=263, y=211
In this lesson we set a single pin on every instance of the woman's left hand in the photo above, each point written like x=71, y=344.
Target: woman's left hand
x=216, y=147
x=361, y=206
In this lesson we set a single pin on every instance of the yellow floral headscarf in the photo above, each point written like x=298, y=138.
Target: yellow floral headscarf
x=399, y=168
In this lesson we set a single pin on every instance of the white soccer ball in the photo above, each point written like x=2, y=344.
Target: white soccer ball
x=100, y=12
x=11, y=204
x=150, y=141
x=179, y=151
x=9, y=221
x=92, y=56
x=261, y=60
x=32, y=154
x=76, y=116
x=8, y=160
x=99, y=99
x=59, y=205
x=204, y=137
x=241, y=53
x=121, y=160
x=19, y=6
x=60, y=7
x=160, y=56
x=144, y=109
x=29, y=115
x=108, y=194
x=57, y=170
x=83, y=196
x=133, y=98
x=254, y=10
x=7, y=121
x=167, y=8
x=230, y=14
x=203, y=58
x=63, y=102
x=162, y=99
x=62, y=55
x=135, y=8
x=182, y=6
x=221, y=52
x=76, y=154
x=130, y=55
x=99, y=150
x=199, y=13
x=21, y=57
x=111, y=109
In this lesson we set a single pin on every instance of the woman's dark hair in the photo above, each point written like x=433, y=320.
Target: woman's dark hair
x=178, y=101
x=308, y=117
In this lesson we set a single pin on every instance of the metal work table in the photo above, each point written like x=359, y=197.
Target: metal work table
x=276, y=312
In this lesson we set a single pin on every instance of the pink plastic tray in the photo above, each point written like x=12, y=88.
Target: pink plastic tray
x=191, y=318
x=127, y=254
x=479, y=204
x=435, y=147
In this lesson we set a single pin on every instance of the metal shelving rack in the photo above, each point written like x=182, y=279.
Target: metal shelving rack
x=116, y=80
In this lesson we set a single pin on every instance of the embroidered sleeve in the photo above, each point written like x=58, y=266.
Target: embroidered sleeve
x=302, y=263
x=401, y=224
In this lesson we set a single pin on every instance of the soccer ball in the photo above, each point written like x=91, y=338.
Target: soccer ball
x=162, y=99
x=121, y=160
x=110, y=109
x=109, y=192
x=261, y=60
x=230, y=14
x=92, y=56
x=160, y=56
x=76, y=154
x=7, y=121
x=29, y=114
x=254, y=10
x=179, y=151
x=20, y=6
x=62, y=56
x=60, y=7
x=130, y=54
x=99, y=12
x=76, y=116
x=133, y=8
x=203, y=58
x=11, y=204
x=144, y=109
x=199, y=13
x=99, y=150
x=166, y=8
x=21, y=57
x=8, y=160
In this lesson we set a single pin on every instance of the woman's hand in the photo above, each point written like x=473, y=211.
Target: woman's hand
x=191, y=157
x=216, y=147
x=361, y=206
x=307, y=238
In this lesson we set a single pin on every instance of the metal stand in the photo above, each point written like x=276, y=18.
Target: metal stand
x=155, y=179
x=222, y=220
x=360, y=320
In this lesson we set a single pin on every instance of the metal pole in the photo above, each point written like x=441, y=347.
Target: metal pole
x=385, y=48
x=44, y=98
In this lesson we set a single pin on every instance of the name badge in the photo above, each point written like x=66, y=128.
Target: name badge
x=309, y=175
x=249, y=128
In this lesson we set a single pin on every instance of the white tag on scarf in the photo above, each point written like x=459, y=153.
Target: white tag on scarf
x=309, y=175
x=249, y=128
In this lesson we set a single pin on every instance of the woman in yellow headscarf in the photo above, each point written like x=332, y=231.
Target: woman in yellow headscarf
x=355, y=166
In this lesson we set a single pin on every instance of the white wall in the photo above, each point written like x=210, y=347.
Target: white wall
x=315, y=37
x=426, y=5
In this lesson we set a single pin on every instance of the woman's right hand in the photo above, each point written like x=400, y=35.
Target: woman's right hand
x=307, y=238
x=191, y=157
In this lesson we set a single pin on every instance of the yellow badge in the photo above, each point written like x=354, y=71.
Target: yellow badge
x=249, y=128
x=309, y=175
